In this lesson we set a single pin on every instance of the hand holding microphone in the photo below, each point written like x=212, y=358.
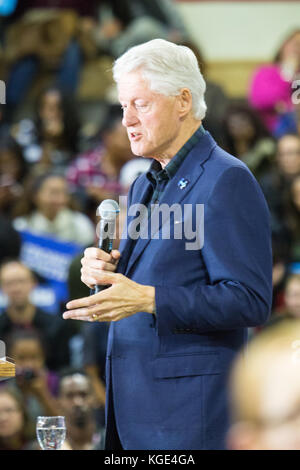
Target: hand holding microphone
x=97, y=260
x=125, y=297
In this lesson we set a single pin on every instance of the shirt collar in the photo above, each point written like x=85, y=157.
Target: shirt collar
x=158, y=173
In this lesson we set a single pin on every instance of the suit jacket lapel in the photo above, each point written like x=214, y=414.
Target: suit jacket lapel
x=141, y=196
x=191, y=170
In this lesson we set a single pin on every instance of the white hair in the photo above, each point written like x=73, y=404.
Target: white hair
x=168, y=68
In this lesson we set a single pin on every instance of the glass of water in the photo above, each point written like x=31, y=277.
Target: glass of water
x=51, y=431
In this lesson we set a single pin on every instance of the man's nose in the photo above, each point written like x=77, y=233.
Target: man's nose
x=129, y=117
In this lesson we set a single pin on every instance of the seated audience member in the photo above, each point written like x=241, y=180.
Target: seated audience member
x=34, y=382
x=276, y=184
x=293, y=217
x=94, y=175
x=281, y=249
x=291, y=307
x=45, y=211
x=51, y=140
x=122, y=25
x=265, y=391
x=13, y=169
x=41, y=37
x=292, y=296
x=288, y=155
x=16, y=428
x=17, y=283
x=77, y=403
x=271, y=88
x=246, y=137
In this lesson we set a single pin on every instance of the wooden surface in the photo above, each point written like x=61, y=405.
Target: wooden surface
x=233, y=76
x=7, y=369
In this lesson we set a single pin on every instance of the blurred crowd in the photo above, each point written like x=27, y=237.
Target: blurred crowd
x=57, y=165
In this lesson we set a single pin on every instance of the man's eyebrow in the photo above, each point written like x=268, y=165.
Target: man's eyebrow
x=131, y=100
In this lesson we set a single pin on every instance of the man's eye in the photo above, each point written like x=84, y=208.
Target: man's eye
x=141, y=106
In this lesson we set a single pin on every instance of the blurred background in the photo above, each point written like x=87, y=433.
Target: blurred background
x=63, y=150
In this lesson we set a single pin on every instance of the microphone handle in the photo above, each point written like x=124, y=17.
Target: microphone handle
x=104, y=244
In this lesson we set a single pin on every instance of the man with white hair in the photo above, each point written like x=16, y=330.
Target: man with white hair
x=179, y=310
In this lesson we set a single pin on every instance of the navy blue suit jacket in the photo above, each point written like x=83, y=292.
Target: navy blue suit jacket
x=169, y=371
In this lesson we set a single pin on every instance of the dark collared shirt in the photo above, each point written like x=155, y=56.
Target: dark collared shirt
x=159, y=177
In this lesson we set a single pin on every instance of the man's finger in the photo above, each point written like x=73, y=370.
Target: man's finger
x=78, y=314
x=102, y=279
x=89, y=281
x=97, y=253
x=79, y=303
x=115, y=254
x=83, y=313
x=91, y=263
x=78, y=318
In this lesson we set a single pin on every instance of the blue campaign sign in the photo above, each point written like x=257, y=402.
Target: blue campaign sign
x=7, y=7
x=50, y=258
x=295, y=268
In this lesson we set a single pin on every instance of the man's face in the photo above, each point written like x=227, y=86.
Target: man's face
x=76, y=399
x=17, y=283
x=152, y=120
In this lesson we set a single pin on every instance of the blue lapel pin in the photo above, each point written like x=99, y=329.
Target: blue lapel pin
x=183, y=183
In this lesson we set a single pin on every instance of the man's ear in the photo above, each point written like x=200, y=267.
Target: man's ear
x=242, y=436
x=185, y=101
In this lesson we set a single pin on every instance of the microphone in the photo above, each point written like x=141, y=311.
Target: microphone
x=108, y=211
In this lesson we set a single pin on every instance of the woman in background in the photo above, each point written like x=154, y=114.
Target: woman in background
x=293, y=217
x=50, y=141
x=247, y=138
x=34, y=383
x=13, y=169
x=46, y=211
x=95, y=174
x=16, y=429
x=271, y=88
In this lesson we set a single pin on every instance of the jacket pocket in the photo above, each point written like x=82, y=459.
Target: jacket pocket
x=187, y=365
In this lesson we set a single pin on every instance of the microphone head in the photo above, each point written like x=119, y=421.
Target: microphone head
x=108, y=210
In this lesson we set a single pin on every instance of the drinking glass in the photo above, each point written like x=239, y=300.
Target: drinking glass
x=51, y=431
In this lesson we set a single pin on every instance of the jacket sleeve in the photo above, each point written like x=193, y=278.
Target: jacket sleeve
x=237, y=256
